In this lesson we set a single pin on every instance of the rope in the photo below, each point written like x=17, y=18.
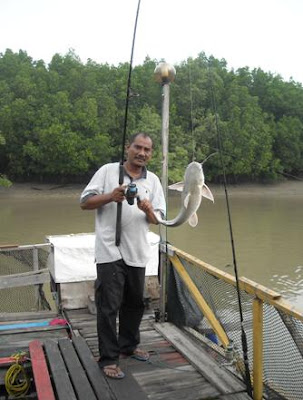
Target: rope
x=17, y=383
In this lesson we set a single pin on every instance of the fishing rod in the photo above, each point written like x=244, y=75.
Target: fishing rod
x=121, y=168
x=243, y=333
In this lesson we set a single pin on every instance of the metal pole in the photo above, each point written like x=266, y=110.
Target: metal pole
x=164, y=74
x=165, y=139
x=164, y=180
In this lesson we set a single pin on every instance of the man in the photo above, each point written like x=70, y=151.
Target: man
x=121, y=269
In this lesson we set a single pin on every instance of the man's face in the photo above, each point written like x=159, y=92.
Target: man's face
x=140, y=151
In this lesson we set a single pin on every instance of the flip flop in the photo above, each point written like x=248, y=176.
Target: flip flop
x=140, y=355
x=113, y=372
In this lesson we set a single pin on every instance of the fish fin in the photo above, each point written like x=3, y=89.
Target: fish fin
x=193, y=220
x=177, y=186
x=206, y=192
x=186, y=200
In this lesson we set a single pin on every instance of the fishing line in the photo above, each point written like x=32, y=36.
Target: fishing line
x=254, y=164
x=192, y=119
x=191, y=113
x=243, y=334
x=121, y=169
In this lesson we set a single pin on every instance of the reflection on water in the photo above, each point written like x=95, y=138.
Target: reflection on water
x=266, y=222
x=290, y=286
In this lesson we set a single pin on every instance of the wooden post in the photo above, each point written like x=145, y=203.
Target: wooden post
x=36, y=268
x=258, y=349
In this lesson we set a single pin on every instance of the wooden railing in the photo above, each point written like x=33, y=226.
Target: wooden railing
x=35, y=277
x=260, y=296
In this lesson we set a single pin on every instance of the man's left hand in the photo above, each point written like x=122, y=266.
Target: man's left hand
x=146, y=206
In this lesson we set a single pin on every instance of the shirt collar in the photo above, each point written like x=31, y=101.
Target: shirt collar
x=142, y=176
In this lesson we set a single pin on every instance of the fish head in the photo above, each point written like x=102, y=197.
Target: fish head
x=194, y=173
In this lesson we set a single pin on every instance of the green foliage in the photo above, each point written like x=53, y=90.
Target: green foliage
x=63, y=120
x=3, y=179
x=4, y=182
x=2, y=140
x=288, y=144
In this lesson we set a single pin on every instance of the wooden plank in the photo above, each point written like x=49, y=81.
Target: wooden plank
x=78, y=376
x=33, y=329
x=200, y=301
x=25, y=279
x=258, y=290
x=8, y=246
x=95, y=375
x=27, y=247
x=251, y=287
x=224, y=381
x=248, y=285
x=26, y=337
x=64, y=388
x=41, y=376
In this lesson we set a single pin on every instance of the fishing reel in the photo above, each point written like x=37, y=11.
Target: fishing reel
x=130, y=193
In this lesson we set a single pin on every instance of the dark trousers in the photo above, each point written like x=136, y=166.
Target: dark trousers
x=118, y=289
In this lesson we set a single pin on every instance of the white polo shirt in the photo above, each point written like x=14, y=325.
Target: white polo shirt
x=134, y=248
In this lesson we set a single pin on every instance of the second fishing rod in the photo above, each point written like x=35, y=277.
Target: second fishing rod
x=130, y=190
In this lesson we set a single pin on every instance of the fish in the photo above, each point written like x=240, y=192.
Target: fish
x=193, y=189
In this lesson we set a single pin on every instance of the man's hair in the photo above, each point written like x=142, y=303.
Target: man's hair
x=133, y=137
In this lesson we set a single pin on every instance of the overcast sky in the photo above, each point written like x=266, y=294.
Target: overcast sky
x=253, y=33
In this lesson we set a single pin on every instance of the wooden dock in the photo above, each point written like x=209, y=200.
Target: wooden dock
x=179, y=368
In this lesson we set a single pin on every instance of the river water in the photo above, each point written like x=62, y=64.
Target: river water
x=267, y=225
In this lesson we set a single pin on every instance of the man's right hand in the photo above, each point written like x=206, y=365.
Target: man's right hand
x=118, y=194
x=99, y=200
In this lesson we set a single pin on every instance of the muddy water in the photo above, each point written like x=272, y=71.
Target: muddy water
x=267, y=224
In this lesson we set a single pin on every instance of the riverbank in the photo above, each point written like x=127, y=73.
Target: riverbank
x=30, y=190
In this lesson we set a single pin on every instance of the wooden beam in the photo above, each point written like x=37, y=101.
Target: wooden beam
x=246, y=284
x=223, y=380
x=270, y=296
x=258, y=349
x=27, y=315
x=36, y=269
x=200, y=301
x=5, y=248
x=8, y=246
x=206, y=267
x=25, y=279
x=258, y=290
